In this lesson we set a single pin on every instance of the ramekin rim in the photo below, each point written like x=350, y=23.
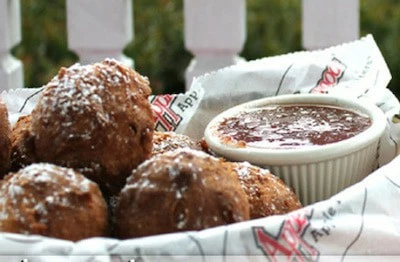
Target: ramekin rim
x=300, y=155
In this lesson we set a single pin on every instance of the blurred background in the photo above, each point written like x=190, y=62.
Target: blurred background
x=273, y=28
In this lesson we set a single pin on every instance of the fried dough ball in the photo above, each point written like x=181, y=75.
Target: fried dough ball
x=52, y=201
x=96, y=119
x=169, y=141
x=204, y=146
x=179, y=190
x=22, y=152
x=5, y=140
x=267, y=194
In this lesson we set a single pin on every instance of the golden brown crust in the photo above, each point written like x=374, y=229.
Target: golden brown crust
x=5, y=140
x=169, y=141
x=178, y=191
x=52, y=201
x=267, y=194
x=96, y=119
x=22, y=152
x=204, y=146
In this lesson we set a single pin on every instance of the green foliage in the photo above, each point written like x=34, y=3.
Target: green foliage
x=273, y=27
x=382, y=20
x=158, y=48
x=44, y=47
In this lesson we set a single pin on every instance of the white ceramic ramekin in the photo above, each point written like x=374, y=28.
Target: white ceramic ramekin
x=315, y=173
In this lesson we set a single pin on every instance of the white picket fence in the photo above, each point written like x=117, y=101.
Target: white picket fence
x=214, y=31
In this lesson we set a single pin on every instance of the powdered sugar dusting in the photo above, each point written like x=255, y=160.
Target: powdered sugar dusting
x=38, y=187
x=169, y=141
x=15, y=191
x=267, y=194
x=83, y=90
x=243, y=169
x=48, y=173
x=180, y=153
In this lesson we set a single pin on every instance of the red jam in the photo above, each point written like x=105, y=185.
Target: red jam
x=291, y=126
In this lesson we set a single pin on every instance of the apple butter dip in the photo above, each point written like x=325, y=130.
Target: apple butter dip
x=291, y=126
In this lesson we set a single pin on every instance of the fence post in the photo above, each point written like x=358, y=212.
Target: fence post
x=215, y=32
x=99, y=29
x=11, y=69
x=328, y=23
